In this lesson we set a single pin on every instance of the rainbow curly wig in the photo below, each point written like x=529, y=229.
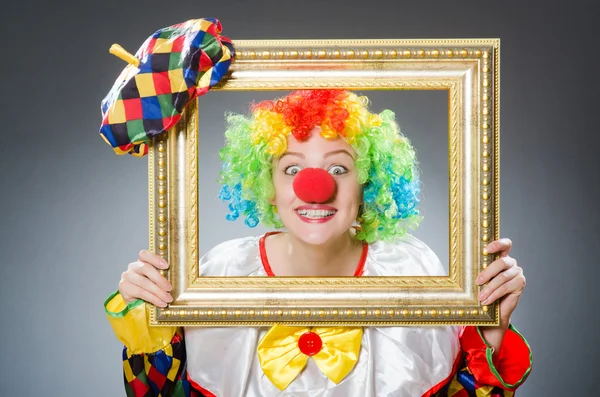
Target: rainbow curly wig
x=385, y=162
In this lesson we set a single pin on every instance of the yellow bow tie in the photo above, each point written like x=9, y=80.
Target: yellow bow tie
x=284, y=351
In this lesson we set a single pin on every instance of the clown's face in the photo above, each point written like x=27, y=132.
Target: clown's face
x=323, y=217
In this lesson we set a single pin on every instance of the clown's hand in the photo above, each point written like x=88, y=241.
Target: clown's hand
x=143, y=280
x=506, y=280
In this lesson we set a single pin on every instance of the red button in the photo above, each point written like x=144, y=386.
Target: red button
x=310, y=343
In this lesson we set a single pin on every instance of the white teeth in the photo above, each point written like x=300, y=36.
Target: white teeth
x=315, y=213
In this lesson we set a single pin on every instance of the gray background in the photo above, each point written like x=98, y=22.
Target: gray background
x=74, y=214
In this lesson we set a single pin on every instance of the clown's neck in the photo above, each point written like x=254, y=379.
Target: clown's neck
x=290, y=256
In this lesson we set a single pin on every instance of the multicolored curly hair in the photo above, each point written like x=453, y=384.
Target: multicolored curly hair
x=385, y=162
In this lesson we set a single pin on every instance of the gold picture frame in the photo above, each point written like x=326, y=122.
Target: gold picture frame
x=468, y=69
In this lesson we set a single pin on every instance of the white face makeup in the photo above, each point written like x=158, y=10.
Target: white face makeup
x=317, y=222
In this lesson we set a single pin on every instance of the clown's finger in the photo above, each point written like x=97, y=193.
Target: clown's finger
x=132, y=292
x=153, y=259
x=502, y=246
x=494, y=268
x=148, y=285
x=499, y=280
x=514, y=286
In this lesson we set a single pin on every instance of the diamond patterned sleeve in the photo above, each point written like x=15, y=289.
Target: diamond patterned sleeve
x=158, y=374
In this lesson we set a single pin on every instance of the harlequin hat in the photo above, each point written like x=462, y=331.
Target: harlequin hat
x=173, y=67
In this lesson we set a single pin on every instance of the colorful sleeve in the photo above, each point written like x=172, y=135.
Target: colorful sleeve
x=475, y=375
x=153, y=357
x=159, y=374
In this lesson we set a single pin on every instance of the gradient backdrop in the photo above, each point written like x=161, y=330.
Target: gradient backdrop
x=74, y=214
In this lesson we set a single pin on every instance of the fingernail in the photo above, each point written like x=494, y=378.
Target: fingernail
x=164, y=263
x=162, y=304
x=481, y=295
x=478, y=280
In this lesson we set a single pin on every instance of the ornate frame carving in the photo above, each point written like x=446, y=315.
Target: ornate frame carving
x=467, y=69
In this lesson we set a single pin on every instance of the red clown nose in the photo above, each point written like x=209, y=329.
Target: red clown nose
x=314, y=185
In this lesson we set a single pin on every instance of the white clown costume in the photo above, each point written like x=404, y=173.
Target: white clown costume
x=265, y=362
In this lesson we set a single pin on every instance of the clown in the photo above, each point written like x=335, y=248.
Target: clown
x=341, y=185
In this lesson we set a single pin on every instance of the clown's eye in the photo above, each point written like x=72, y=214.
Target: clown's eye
x=337, y=170
x=292, y=170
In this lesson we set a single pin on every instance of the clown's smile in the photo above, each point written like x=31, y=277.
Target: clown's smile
x=315, y=213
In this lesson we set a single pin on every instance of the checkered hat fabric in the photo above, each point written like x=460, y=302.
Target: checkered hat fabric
x=176, y=65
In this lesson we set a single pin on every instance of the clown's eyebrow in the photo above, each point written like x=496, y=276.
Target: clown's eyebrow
x=292, y=154
x=328, y=154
